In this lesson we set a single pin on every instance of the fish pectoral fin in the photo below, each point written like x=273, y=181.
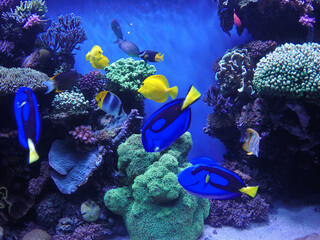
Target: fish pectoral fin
x=250, y=153
x=33, y=155
x=173, y=92
x=251, y=191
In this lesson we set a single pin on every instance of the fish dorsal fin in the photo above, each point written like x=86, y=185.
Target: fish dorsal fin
x=162, y=79
x=52, y=78
x=203, y=160
x=192, y=96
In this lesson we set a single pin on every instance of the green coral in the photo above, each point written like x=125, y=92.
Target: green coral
x=11, y=79
x=27, y=8
x=71, y=102
x=153, y=204
x=128, y=74
x=90, y=211
x=291, y=71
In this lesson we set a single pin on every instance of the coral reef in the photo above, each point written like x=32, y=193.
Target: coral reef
x=156, y=206
x=92, y=82
x=290, y=71
x=265, y=19
x=67, y=104
x=36, y=184
x=90, y=231
x=11, y=79
x=50, y=209
x=125, y=77
x=235, y=73
x=28, y=8
x=64, y=37
x=71, y=167
x=37, y=234
x=238, y=212
x=83, y=134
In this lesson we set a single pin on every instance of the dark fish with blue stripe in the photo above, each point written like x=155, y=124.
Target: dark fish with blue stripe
x=28, y=120
x=109, y=103
x=168, y=123
x=116, y=28
x=206, y=179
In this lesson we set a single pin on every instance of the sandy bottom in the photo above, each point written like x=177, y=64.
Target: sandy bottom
x=285, y=223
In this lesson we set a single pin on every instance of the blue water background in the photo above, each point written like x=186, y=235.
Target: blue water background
x=187, y=32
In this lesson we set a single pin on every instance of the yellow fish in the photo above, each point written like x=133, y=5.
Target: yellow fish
x=157, y=88
x=251, y=146
x=96, y=58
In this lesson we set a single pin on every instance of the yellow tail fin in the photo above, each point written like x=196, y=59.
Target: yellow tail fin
x=161, y=57
x=251, y=191
x=173, y=92
x=192, y=96
x=33, y=155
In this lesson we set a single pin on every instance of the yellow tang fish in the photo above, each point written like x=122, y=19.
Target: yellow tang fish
x=157, y=88
x=251, y=146
x=96, y=58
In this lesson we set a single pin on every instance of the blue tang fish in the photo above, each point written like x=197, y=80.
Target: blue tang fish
x=129, y=48
x=206, y=179
x=116, y=28
x=168, y=123
x=28, y=120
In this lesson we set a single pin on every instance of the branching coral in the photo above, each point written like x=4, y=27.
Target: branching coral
x=27, y=8
x=291, y=71
x=66, y=35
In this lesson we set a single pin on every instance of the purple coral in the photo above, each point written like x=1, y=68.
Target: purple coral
x=90, y=231
x=32, y=21
x=6, y=47
x=215, y=99
x=258, y=49
x=307, y=21
x=36, y=184
x=92, y=82
x=237, y=212
x=84, y=134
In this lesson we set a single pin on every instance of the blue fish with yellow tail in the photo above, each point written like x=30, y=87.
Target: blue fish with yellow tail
x=168, y=123
x=251, y=145
x=206, y=179
x=28, y=120
x=109, y=103
x=151, y=56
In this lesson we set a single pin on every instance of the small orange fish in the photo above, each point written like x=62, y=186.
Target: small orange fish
x=236, y=19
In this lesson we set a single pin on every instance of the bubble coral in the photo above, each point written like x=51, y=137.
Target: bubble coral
x=90, y=211
x=290, y=71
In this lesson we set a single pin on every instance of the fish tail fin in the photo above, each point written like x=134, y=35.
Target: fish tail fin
x=251, y=191
x=33, y=155
x=192, y=96
x=173, y=92
x=161, y=57
x=117, y=40
x=49, y=85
